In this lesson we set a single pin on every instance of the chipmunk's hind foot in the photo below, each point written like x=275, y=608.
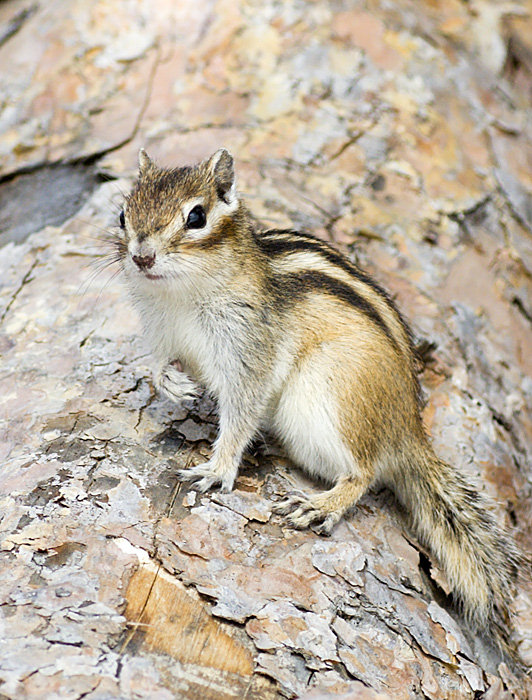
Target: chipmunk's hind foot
x=301, y=512
x=324, y=510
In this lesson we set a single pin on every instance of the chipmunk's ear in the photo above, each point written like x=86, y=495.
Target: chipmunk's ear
x=222, y=167
x=145, y=162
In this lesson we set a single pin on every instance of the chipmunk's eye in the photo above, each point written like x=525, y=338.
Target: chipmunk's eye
x=197, y=217
x=122, y=219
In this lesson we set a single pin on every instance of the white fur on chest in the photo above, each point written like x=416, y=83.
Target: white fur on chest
x=202, y=334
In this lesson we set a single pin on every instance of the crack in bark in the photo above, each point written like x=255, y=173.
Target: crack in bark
x=155, y=555
x=459, y=215
x=133, y=631
x=23, y=283
x=141, y=410
x=517, y=303
x=92, y=158
x=17, y=22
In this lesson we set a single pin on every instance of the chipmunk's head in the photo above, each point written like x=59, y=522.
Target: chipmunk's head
x=173, y=216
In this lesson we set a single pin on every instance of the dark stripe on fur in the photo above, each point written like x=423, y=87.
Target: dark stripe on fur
x=219, y=235
x=272, y=243
x=289, y=287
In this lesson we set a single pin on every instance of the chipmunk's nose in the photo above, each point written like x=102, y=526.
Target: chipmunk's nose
x=144, y=262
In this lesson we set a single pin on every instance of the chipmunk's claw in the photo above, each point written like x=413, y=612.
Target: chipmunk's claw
x=292, y=500
x=302, y=512
x=327, y=525
x=206, y=476
x=176, y=385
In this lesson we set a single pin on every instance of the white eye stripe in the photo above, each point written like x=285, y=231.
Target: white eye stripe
x=213, y=217
x=179, y=225
x=195, y=233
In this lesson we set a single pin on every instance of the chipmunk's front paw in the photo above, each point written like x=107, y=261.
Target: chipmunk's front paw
x=175, y=384
x=207, y=475
x=302, y=511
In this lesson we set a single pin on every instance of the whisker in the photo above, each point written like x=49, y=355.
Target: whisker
x=103, y=262
x=99, y=266
x=194, y=267
x=98, y=227
x=111, y=279
x=107, y=242
x=191, y=273
x=85, y=286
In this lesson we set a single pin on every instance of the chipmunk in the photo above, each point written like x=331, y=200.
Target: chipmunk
x=293, y=339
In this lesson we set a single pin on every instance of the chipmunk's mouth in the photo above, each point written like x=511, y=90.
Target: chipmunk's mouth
x=151, y=276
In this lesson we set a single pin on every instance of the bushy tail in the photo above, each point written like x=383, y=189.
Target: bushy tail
x=457, y=524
